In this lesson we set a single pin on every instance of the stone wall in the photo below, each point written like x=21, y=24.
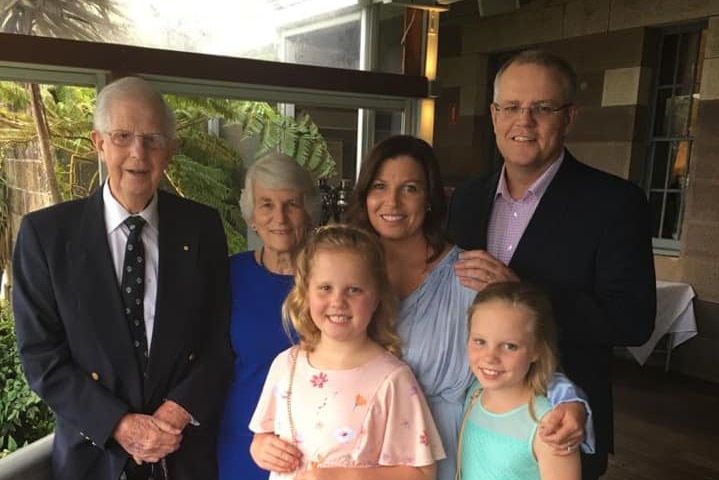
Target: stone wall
x=613, y=45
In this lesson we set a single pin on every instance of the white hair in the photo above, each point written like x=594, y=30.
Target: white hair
x=279, y=171
x=136, y=89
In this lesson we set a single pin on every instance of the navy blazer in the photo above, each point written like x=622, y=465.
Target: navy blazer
x=588, y=245
x=74, y=341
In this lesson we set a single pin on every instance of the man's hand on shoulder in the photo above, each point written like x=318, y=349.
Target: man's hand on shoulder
x=476, y=269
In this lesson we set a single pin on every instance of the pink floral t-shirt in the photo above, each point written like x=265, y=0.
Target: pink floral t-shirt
x=372, y=415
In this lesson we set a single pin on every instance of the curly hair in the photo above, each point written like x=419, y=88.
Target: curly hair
x=342, y=238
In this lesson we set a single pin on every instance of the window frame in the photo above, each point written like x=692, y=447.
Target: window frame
x=667, y=246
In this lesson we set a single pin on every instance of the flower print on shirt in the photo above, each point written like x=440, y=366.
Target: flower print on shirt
x=345, y=434
x=319, y=380
x=359, y=401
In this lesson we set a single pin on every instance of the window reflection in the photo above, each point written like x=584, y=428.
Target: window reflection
x=300, y=31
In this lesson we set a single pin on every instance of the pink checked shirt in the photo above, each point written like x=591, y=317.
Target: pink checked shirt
x=510, y=217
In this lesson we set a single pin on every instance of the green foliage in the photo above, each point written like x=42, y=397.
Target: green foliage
x=24, y=418
x=300, y=140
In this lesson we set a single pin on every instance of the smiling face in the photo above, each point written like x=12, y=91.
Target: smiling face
x=343, y=296
x=527, y=143
x=134, y=171
x=501, y=346
x=397, y=199
x=280, y=219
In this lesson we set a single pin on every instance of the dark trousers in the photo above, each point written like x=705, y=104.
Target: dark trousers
x=593, y=466
x=146, y=471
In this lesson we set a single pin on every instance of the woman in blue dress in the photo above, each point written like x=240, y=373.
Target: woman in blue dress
x=281, y=204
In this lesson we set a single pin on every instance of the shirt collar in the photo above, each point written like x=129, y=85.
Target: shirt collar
x=115, y=213
x=537, y=188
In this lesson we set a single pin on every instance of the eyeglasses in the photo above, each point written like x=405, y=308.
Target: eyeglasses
x=537, y=110
x=124, y=138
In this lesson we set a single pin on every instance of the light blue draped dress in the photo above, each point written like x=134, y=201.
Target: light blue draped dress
x=433, y=326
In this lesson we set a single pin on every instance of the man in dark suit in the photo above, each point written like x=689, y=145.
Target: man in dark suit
x=136, y=383
x=580, y=233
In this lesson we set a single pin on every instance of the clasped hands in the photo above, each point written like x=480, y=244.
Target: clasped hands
x=150, y=438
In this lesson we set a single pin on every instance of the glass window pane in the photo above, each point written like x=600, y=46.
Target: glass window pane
x=390, y=51
x=671, y=226
x=677, y=115
x=336, y=43
x=656, y=203
x=663, y=112
x=688, y=48
x=659, y=164
x=251, y=29
x=680, y=165
x=387, y=124
x=668, y=60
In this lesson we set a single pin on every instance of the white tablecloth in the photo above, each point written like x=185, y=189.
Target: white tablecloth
x=675, y=316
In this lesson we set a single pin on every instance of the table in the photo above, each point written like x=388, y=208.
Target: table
x=675, y=318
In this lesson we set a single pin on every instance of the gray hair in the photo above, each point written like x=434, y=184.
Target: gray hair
x=279, y=171
x=136, y=89
x=567, y=75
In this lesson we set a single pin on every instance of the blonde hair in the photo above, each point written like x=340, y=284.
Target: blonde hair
x=544, y=328
x=346, y=238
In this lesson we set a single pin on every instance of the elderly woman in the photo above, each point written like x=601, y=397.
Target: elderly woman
x=281, y=204
x=400, y=196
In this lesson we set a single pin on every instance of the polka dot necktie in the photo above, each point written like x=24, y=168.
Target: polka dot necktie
x=133, y=288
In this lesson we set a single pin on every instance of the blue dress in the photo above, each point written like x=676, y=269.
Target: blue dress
x=257, y=338
x=433, y=326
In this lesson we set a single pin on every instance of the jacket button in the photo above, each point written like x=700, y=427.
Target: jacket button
x=95, y=376
x=191, y=357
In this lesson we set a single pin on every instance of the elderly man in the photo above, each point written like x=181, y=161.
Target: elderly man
x=121, y=303
x=580, y=233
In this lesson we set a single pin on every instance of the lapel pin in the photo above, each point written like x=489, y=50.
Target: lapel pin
x=186, y=248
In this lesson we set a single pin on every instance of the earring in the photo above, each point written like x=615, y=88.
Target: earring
x=253, y=227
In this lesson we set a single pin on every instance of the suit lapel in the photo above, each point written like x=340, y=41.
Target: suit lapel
x=549, y=216
x=485, y=212
x=97, y=281
x=178, y=259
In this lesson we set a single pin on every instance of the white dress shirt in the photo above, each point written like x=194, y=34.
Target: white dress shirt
x=117, y=232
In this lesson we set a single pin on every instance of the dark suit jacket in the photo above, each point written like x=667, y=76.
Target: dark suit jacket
x=74, y=341
x=589, y=245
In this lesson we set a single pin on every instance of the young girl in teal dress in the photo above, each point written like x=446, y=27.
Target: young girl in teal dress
x=512, y=353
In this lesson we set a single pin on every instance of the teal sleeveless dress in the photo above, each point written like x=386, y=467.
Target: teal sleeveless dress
x=499, y=446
